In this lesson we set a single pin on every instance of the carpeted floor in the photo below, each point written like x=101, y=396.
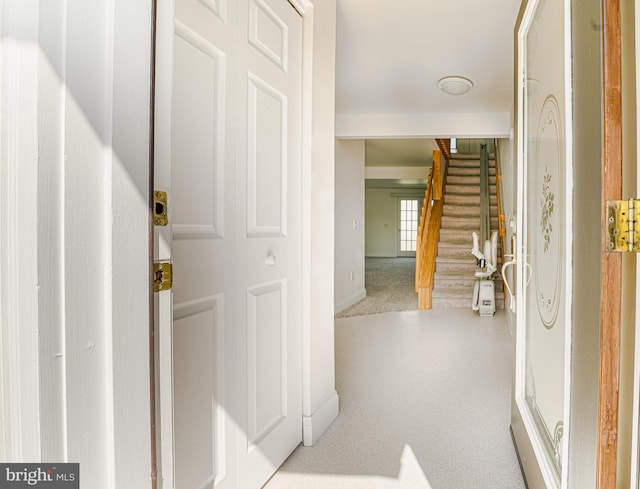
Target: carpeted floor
x=390, y=286
x=424, y=404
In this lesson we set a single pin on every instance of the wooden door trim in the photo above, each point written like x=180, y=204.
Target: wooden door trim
x=611, y=281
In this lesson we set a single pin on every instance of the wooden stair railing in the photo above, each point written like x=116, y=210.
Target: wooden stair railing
x=429, y=232
x=502, y=227
x=445, y=147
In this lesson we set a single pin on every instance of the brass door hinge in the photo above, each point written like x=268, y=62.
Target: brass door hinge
x=623, y=225
x=162, y=276
x=160, y=208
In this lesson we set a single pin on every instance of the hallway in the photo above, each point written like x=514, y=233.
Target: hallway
x=425, y=399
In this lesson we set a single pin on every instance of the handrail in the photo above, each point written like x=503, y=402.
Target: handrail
x=429, y=232
x=502, y=227
x=485, y=213
x=425, y=215
x=445, y=147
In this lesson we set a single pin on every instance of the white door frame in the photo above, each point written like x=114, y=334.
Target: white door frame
x=18, y=163
x=74, y=215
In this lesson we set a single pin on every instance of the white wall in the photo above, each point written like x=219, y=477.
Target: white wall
x=372, y=126
x=349, y=223
x=381, y=220
x=75, y=297
x=396, y=172
x=320, y=399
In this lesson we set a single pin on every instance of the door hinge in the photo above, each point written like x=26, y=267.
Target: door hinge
x=160, y=208
x=162, y=276
x=623, y=228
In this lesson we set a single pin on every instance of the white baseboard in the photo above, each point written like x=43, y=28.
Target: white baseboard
x=351, y=301
x=314, y=426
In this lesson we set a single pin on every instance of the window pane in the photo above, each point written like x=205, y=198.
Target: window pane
x=409, y=220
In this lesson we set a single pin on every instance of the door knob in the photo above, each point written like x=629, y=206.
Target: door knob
x=270, y=260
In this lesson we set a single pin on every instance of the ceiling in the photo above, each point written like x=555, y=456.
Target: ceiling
x=391, y=54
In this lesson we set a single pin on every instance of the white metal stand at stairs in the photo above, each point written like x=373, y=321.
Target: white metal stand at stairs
x=484, y=298
x=484, y=290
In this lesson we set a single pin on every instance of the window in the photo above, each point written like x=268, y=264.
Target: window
x=408, y=224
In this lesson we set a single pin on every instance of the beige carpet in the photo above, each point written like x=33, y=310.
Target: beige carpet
x=424, y=404
x=390, y=286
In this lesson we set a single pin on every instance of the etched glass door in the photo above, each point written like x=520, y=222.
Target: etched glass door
x=543, y=315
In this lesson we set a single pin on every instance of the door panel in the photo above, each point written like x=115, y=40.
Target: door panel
x=266, y=160
x=266, y=359
x=203, y=220
x=199, y=354
x=268, y=33
x=269, y=238
x=198, y=149
x=235, y=176
x=544, y=292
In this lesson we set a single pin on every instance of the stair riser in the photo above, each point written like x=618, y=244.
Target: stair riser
x=449, y=222
x=467, y=199
x=463, y=293
x=457, y=237
x=446, y=286
x=467, y=189
x=459, y=284
x=470, y=163
x=445, y=252
x=464, y=259
x=466, y=211
x=469, y=171
x=456, y=269
x=462, y=303
x=467, y=180
x=444, y=273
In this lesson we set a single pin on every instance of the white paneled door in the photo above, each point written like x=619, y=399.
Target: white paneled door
x=235, y=240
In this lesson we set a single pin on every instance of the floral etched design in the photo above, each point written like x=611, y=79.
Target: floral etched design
x=546, y=303
x=547, y=209
x=557, y=444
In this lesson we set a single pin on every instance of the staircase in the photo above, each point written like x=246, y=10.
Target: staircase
x=454, y=278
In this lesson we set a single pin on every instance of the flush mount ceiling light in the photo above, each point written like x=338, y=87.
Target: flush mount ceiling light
x=455, y=85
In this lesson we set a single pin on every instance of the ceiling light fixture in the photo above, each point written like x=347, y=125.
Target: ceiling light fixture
x=455, y=85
